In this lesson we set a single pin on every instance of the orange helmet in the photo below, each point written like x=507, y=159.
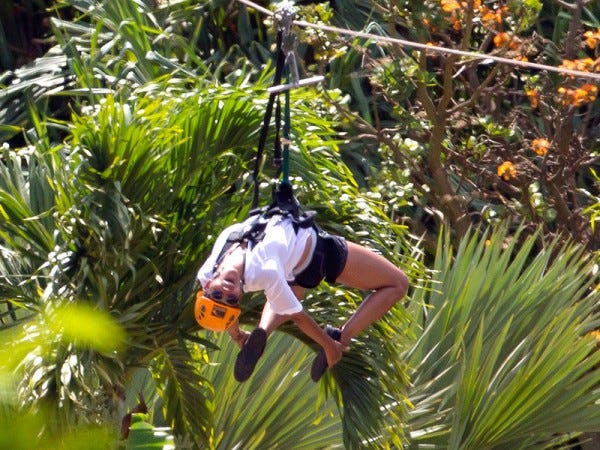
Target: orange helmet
x=213, y=315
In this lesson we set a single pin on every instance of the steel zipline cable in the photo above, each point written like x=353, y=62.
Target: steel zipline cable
x=431, y=47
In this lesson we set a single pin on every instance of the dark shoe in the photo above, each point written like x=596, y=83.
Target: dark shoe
x=319, y=365
x=250, y=354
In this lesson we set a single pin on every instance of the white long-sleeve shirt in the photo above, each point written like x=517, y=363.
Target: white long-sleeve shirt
x=269, y=264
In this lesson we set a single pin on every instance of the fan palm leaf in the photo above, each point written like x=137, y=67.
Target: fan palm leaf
x=107, y=250
x=504, y=358
x=154, y=177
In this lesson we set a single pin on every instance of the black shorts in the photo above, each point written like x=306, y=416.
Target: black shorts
x=327, y=262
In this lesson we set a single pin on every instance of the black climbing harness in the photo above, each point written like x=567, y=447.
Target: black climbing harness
x=284, y=204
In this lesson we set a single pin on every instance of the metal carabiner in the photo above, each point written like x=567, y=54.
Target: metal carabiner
x=285, y=15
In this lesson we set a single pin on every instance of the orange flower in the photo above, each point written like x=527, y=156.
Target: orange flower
x=592, y=89
x=578, y=96
x=585, y=94
x=450, y=5
x=567, y=64
x=506, y=170
x=534, y=97
x=540, y=146
x=456, y=25
x=592, y=39
x=582, y=65
x=491, y=18
x=454, y=8
x=501, y=39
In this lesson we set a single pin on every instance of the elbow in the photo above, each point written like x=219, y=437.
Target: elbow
x=297, y=317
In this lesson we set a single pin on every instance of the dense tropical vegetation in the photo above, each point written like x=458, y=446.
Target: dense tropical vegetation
x=129, y=132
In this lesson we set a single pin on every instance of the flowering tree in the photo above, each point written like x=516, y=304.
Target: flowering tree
x=480, y=140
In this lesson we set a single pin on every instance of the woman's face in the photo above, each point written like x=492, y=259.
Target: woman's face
x=226, y=285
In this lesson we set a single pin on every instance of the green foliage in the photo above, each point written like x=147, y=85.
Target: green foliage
x=184, y=393
x=138, y=192
x=34, y=424
x=279, y=407
x=24, y=244
x=505, y=340
x=85, y=327
x=593, y=210
x=118, y=189
x=132, y=145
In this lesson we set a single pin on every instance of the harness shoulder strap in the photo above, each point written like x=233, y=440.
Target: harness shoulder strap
x=253, y=232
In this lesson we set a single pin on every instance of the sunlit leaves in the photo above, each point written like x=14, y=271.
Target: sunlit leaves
x=143, y=435
x=279, y=406
x=39, y=344
x=86, y=328
x=505, y=339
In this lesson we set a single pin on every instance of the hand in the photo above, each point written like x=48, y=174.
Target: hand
x=240, y=337
x=334, y=351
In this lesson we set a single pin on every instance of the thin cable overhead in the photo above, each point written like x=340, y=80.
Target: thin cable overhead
x=431, y=47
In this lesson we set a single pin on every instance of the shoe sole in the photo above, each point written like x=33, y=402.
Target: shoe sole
x=249, y=355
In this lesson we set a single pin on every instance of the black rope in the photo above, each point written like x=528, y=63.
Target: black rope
x=280, y=61
x=277, y=153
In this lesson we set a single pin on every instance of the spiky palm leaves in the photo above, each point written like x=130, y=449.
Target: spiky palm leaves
x=126, y=232
x=138, y=191
x=504, y=357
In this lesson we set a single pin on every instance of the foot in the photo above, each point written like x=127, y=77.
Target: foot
x=250, y=354
x=319, y=364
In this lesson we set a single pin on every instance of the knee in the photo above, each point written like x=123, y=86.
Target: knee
x=401, y=285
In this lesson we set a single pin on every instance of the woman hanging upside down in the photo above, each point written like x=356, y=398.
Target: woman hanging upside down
x=284, y=262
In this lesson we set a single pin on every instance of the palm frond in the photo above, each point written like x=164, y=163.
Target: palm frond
x=504, y=341
x=26, y=205
x=185, y=396
x=278, y=407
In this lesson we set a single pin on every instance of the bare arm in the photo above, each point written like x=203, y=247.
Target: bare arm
x=333, y=349
x=238, y=335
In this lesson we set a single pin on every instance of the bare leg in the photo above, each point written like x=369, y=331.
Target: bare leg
x=269, y=320
x=369, y=271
